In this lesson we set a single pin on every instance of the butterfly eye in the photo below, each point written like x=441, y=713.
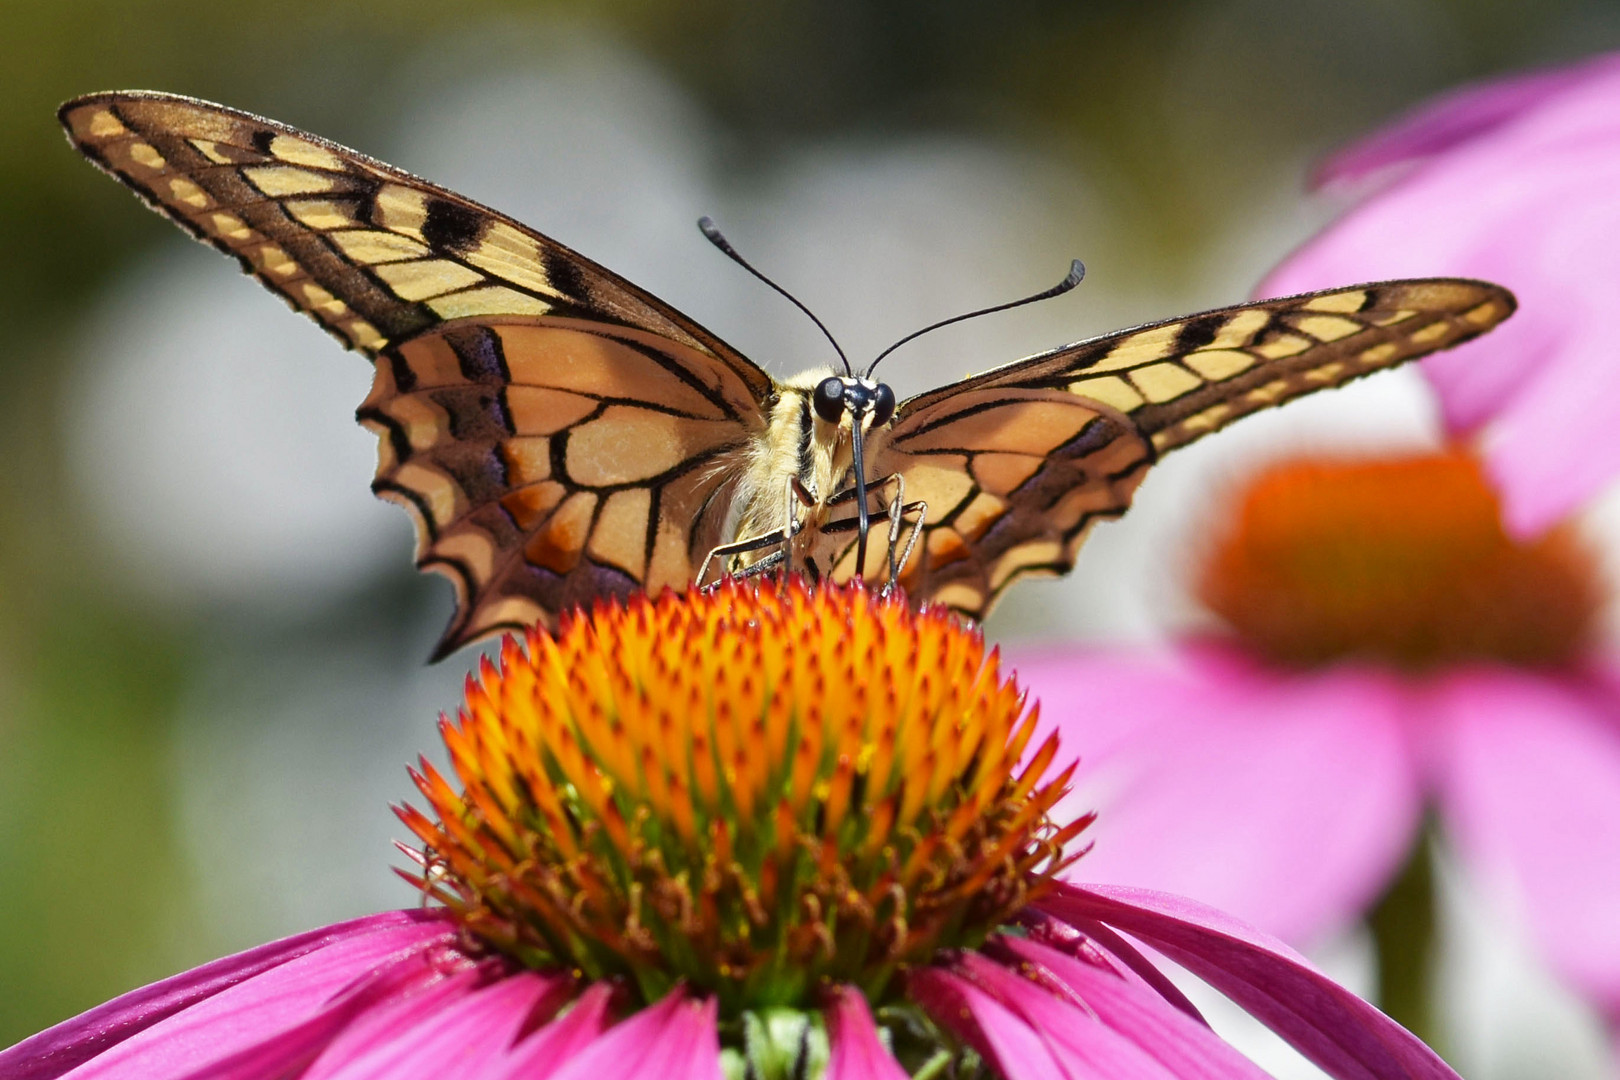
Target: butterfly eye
x=882, y=405
x=829, y=399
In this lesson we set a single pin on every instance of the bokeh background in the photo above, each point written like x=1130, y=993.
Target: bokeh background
x=211, y=645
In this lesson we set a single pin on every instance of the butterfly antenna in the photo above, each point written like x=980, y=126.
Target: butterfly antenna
x=712, y=232
x=1077, y=270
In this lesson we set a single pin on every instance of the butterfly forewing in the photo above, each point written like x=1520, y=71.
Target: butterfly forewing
x=372, y=253
x=1002, y=504
x=557, y=433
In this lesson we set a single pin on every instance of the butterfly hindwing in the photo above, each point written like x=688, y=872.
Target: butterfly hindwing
x=549, y=462
x=558, y=433
x=1015, y=464
x=1013, y=479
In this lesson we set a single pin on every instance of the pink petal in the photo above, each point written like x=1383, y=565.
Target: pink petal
x=235, y=1007
x=1287, y=799
x=1528, y=773
x=857, y=1052
x=1004, y=1040
x=1071, y=1034
x=1085, y=941
x=1327, y=1023
x=288, y=1051
x=548, y=1049
x=1526, y=201
x=676, y=1039
x=466, y=1040
x=1455, y=117
x=1186, y=1047
x=58, y=1049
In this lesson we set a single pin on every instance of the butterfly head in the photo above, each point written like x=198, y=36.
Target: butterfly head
x=867, y=403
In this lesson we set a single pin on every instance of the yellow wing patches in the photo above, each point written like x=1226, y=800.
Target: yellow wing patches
x=278, y=181
x=1342, y=302
x=401, y=209
x=1240, y=328
x=183, y=190
x=1164, y=382
x=426, y=278
x=512, y=254
x=1110, y=390
x=147, y=157
x=1142, y=347
x=1218, y=364
x=102, y=124
x=291, y=148
x=490, y=300
x=370, y=246
x=321, y=214
x=1327, y=327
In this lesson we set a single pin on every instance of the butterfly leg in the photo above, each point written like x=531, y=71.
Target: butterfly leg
x=898, y=511
x=796, y=493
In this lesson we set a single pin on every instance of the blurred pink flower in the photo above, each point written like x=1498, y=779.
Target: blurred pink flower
x=614, y=915
x=1515, y=181
x=1393, y=649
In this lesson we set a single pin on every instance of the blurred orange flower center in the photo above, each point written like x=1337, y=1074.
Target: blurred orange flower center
x=1399, y=560
x=752, y=789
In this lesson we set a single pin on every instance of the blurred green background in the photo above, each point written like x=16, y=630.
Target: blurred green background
x=210, y=642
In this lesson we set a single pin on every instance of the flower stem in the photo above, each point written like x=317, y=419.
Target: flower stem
x=1403, y=930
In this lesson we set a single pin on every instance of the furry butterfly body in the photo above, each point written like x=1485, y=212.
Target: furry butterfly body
x=559, y=434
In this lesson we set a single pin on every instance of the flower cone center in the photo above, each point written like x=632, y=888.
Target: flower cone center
x=1398, y=560
x=752, y=790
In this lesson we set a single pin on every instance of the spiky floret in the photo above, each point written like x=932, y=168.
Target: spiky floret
x=753, y=789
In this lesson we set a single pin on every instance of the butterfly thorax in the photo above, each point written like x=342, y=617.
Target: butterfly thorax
x=801, y=445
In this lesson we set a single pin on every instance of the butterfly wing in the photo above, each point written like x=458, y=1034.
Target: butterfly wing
x=558, y=433
x=1016, y=464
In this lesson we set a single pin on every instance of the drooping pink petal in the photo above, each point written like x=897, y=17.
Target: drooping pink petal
x=1527, y=202
x=1000, y=1036
x=58, y=1049
x=1343, y=1034
x=546, y=1050
x=1184, y=1046
x=675, y=1039
x=1527, y=770
x=1287, y=800
x=856, y=1051
x=1455, y=117
x=174, y=1025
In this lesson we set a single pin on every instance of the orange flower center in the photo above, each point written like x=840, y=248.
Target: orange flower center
x=753, y=789
x=1398, y=560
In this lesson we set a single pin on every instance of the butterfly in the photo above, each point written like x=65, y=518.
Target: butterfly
x=560, y=435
